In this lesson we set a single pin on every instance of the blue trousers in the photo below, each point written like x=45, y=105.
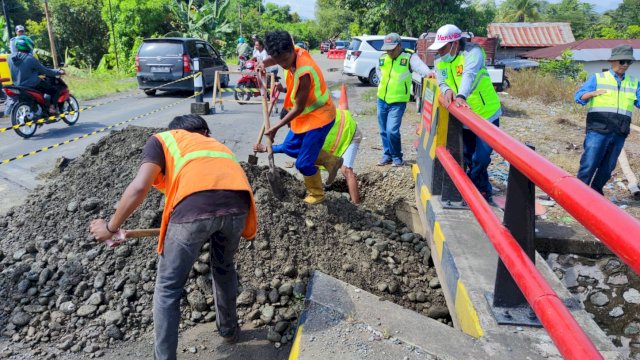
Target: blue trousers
x=477, y=157
x=305, y=148
x=600, y=155
x=389, y=121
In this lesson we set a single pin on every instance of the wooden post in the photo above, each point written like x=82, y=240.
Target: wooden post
x=52, y=44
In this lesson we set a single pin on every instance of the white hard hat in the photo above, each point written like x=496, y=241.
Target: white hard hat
x=446, y=34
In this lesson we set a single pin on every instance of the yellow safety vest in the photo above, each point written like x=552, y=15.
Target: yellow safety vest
x=395, y=78
x=483, y=100
x=341, y=134
x=612, y=110
x=618, y=101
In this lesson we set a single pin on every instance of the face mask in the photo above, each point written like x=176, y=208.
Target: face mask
x=447, y=57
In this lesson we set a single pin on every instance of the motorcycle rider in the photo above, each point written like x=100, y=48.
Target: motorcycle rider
x=25, y=71
x=20, y=31
x=243, y=49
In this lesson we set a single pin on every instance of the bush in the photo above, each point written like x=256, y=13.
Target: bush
x=563, y=68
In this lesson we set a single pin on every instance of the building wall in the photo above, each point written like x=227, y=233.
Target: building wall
x=592, y=67
x=511, y=52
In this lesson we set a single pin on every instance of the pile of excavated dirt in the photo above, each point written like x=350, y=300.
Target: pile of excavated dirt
x=61, y=291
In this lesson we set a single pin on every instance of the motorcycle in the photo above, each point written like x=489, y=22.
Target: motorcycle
x=26, y=104
x=247, y=81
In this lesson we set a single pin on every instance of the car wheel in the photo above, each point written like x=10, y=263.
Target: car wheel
x=363, y=80
x=373, y=78
x=150, y=92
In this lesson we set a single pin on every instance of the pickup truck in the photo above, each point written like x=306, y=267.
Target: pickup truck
x=496, y=71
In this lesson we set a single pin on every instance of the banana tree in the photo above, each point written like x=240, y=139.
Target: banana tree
x=207, y=22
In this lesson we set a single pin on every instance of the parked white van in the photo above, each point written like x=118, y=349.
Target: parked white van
x=364, y=53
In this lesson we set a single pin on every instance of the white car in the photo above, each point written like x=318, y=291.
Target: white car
x=363, y=56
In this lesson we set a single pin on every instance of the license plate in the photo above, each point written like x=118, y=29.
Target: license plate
x=160, y=69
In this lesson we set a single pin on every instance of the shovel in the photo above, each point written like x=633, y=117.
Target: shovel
x=119, y=237
x=253, y=159
x=272, y=175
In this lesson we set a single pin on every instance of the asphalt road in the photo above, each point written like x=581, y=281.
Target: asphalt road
x=237, y=126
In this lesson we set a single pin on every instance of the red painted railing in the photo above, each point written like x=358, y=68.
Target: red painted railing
x=618, y=230
x=565, y=332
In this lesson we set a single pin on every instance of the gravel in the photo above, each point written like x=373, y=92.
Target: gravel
x=58, y=286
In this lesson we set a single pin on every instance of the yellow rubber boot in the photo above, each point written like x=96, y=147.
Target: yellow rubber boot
x=331, y=163
x=315, y=189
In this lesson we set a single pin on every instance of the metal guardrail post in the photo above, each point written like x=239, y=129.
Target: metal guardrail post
x=509, y=305
x=198, y=107
x=197, y=81
x=451, y=197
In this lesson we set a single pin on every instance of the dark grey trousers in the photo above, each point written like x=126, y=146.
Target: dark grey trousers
x=182, y=246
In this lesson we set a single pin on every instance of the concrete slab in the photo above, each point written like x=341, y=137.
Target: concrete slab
x=567, y=239
x=342, y=321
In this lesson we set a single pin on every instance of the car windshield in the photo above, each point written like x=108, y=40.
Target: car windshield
x=355, y=44
x=153, y=49
x=341, y=43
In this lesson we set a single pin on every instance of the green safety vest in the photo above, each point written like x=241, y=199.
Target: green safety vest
x=483, y=100
x=618, y=101
x=341, y=134
x=395, y=78
x=612, y=110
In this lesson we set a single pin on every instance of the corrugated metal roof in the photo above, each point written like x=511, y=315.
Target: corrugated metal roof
x=585, y=50
x=541, y=34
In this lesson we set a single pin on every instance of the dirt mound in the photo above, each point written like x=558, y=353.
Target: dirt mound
x=60, y=291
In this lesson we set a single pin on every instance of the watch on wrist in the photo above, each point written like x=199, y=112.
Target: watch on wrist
x=460, y=96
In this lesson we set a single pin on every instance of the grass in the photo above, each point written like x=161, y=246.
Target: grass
x=530, y=84
x=87, y=85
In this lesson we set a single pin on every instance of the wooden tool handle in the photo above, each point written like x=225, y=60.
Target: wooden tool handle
x=138, y=233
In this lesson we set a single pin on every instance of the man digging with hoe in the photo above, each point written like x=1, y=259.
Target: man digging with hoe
x=208, y=198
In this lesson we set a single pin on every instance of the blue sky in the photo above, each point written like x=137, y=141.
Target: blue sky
x=306, y=8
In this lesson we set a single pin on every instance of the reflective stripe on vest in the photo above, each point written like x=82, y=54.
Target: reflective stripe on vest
x=339, y=137
x=395, y=78
x=483, y=99
x=614, y=100
x=321, y=98
x=180, y=160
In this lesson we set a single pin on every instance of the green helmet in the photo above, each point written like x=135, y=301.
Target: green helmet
x=24, y=44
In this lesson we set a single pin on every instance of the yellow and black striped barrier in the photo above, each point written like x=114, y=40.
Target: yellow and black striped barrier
x=6, y=161
x=243, y=90
x=54, y=119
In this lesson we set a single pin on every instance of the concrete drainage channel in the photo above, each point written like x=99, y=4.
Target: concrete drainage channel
x=63, y=294
x=609, y=291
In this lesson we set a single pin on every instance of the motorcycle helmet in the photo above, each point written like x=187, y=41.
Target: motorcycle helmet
x=240, y=40
x=24, y=44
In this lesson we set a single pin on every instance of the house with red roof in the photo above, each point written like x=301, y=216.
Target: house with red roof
x=591, y=53
x=518, y=38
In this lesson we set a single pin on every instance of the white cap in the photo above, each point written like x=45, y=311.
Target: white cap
x=446, y=34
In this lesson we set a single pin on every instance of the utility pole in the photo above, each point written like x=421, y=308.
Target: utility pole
x=113, y=33
x=52, y=44
x=240, y=16
x=6, y=18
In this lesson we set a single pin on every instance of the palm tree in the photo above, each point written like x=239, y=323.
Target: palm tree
x=520, y=10
x=207, y=22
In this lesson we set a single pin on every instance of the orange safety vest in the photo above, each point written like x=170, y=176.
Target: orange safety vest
x=318, y=109
x=195, y=163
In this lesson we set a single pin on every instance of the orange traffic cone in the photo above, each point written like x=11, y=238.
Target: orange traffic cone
x=344, y=103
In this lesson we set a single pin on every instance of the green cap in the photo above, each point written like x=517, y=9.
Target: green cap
x=391, y=41
x=622, y=52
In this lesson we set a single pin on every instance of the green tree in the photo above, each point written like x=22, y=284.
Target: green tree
x=79, y=29
x=133, y=20
x=581, y=15
x=520, y=10
x=206, y=22
x=563, y=68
